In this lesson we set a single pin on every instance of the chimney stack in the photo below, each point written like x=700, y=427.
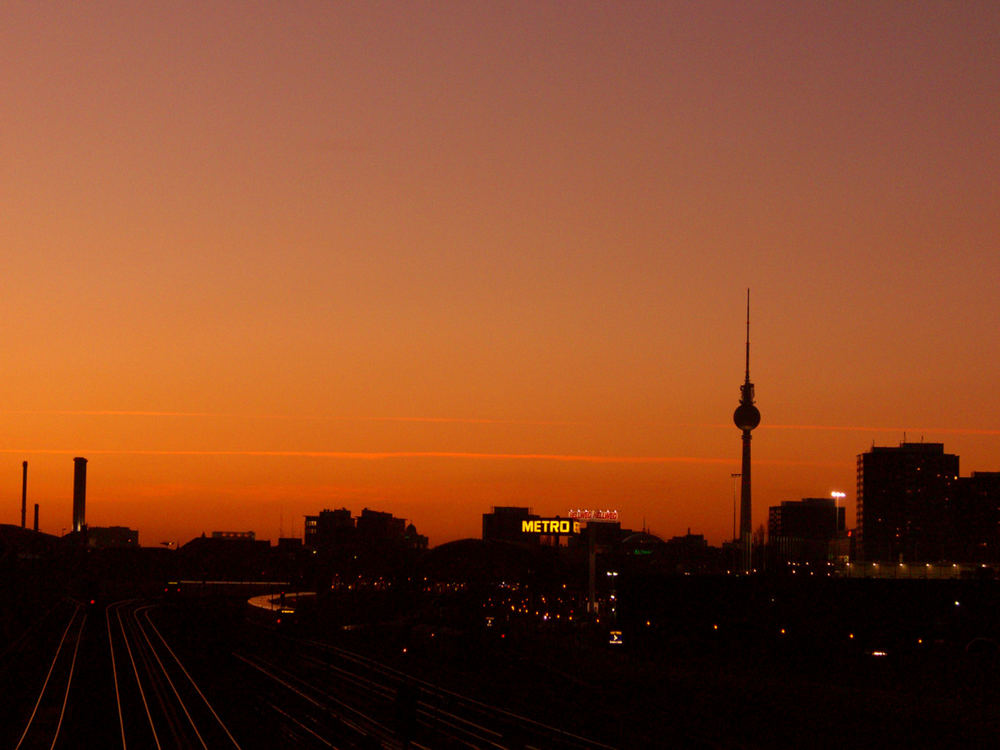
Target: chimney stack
x=36, y=516
x=24, y=491
x=79, y=493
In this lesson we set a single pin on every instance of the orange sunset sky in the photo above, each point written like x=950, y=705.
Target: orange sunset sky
x=263, y=258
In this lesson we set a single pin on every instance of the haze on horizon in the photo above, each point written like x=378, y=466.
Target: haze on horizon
x=428, y=258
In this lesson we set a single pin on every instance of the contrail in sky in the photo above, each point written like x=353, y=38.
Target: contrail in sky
x=850, y=428
x=484, y=421
x=110, y=413
x=846, y=428
x=286, y=417
x=382, y=455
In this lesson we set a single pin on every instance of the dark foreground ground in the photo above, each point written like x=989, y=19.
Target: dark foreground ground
x=704, y=663
x=724, y=662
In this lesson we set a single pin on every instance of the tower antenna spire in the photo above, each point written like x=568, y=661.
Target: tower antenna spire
x=748, y=334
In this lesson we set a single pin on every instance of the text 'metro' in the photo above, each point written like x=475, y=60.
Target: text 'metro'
x=550, y=526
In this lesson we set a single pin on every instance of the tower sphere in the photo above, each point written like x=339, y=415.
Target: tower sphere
x=746, y=416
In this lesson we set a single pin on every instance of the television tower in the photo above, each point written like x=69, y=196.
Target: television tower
x=746, y=417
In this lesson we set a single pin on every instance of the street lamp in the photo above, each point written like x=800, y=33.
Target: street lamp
x=735, y=483
x=836, y=509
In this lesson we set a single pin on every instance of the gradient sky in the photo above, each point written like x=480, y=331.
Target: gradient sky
x=265, y=258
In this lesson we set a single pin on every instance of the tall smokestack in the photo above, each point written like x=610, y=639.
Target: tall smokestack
x=36, y=516
x=24, y=491
x=79, y=493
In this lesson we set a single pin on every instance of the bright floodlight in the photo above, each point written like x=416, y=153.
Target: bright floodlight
x=836, y=494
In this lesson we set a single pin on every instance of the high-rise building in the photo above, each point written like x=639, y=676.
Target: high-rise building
x=504, y=524
x=329, y=528
x=977, y=518
x=905, y=502
x=801, y=530
x=337, y=530
x=808, y=518
x=375, y=526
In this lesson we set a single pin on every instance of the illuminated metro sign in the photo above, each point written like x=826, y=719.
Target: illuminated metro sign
x=550, y=526
x=594, y=515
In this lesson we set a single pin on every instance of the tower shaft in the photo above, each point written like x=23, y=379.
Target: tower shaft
x=746, y=523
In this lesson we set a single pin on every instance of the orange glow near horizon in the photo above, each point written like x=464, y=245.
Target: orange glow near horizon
x=432, y=259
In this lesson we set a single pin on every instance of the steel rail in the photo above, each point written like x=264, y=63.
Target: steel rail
x=301, y=725
x=48, y=676
x=135, y=670
x=145, y=612
x=170, y=682
x=285, y=683
x=69, y=681
x=373, y=664
x=114, y=673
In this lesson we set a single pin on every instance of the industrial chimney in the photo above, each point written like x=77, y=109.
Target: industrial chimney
x=24, y=491
x=36, y=516
x=79, y=493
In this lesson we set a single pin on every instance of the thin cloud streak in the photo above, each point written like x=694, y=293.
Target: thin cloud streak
x=288, y=417
x=463, y=420
x=383, y=455
x=478, y=420
x=112, y=413
x=847, y=428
